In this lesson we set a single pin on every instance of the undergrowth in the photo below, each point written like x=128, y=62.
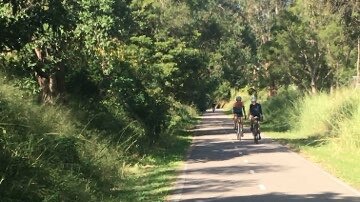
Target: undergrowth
x=78, y=153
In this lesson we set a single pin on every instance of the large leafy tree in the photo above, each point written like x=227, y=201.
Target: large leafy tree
x=262, y=18
x=56, y=37
x=304, y=42
x=144, y=54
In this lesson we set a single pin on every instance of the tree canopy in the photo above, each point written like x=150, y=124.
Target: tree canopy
x=142, y=56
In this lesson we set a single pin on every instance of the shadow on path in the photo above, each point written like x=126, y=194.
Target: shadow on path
x=221, y=151
x=212, y=185
x=279, y=197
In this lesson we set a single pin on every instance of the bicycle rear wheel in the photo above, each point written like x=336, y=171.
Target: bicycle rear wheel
x=238, y=131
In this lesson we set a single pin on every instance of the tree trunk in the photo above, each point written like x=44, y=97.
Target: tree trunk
x=52, y=84
x=52, y=88
x=358, y=63
x=313, y=86
x=272, y=89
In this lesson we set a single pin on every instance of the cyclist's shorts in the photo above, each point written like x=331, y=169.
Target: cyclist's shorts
x=239, y=114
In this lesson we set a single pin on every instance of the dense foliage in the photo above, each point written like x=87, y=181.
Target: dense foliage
x=145, y=54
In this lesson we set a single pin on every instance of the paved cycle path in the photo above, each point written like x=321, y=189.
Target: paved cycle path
x=221, y=168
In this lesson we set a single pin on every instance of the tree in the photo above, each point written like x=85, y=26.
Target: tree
x=262, y=16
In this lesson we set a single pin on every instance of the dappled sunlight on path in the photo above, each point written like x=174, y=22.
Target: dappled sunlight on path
x=221, y=168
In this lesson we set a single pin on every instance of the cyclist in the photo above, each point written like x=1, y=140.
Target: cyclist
x=238, y=110
x=213, y=106
x=255, y=111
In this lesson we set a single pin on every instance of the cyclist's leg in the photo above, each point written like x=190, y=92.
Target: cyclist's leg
x=241, y=125
x=251, y=118
x=236, y=126
x=235, y=121
x=256, y=131
x=258, y=128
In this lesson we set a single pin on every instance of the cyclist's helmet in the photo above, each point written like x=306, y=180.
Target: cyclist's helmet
x=238, y=98
x=253, y=99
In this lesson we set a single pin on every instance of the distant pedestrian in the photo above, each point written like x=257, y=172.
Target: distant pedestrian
x=213, y=106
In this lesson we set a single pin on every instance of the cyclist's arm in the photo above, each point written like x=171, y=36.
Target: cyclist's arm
x=244, y=111
x=251, y=110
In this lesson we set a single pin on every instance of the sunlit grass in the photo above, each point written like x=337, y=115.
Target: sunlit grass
x=151, y=179
x=325, y=128
x=341, y=162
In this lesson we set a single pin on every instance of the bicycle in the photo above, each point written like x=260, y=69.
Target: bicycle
x=239, y=129
x=256, y=129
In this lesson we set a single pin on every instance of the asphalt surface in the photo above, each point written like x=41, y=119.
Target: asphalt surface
x=221, y=168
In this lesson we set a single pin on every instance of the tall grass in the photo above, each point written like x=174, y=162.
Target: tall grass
x=348, y=128
x=324, y=112
x=44, y=156
x=60, y=153
x=324, y=126
x=280, y=112
x=330, y=116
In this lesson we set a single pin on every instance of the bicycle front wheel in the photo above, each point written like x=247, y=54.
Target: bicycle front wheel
x=256, y=133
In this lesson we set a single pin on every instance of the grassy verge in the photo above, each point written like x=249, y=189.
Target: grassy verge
x=323, y=127
x=152, y=178
x=340, y=162
x=60, y=153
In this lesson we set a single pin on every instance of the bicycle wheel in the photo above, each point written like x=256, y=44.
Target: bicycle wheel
x=238, y=131
x=256, y=132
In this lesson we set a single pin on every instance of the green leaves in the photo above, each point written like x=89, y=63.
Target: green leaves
x=149, y=52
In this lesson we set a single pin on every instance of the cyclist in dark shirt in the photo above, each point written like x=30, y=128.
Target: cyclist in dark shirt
x=254, y=111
